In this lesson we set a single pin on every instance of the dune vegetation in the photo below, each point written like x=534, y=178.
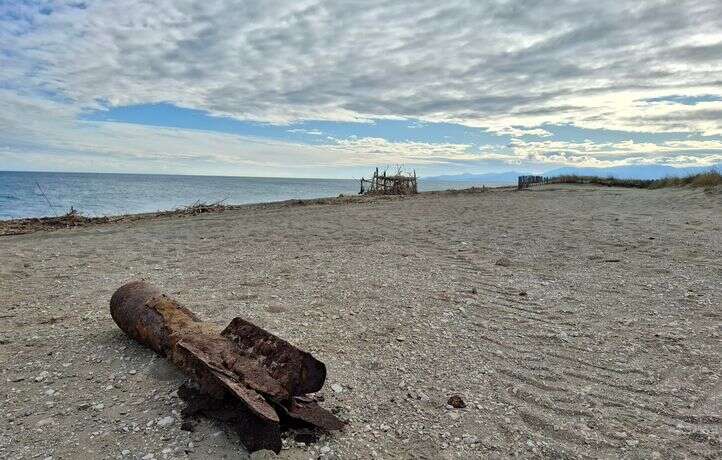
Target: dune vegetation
x=705, y=180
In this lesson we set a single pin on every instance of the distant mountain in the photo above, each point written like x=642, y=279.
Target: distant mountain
x=619, y=172
x=508, y=176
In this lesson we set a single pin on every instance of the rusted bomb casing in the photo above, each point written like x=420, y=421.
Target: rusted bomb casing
x=151, y=318
x=263, y=372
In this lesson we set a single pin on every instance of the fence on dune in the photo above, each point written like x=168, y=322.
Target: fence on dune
x=527, y=181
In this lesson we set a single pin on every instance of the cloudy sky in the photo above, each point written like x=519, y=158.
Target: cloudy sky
x=332, y=89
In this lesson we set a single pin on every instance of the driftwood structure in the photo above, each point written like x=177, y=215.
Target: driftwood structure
x=384, y=184
x=241, y=374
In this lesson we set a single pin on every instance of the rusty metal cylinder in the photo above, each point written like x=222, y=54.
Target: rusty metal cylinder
x=151, y=318
x=260, y=376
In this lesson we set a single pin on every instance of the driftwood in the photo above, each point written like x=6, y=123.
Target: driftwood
x=383, y=184
x=243, y=373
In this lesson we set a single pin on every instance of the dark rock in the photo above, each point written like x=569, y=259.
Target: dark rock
x=306, y=437
x=456, y=402
x=188, y=425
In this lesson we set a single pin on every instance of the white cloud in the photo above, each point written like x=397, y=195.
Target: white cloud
x=506, y=66
x=373, y=151
x=46, y=133
x=312, y=132
x=482, y=63
x=594, y=154
x=50, y=135
x=519, y=132
x=57, y=131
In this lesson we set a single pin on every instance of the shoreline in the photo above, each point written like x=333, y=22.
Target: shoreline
x=28, y=225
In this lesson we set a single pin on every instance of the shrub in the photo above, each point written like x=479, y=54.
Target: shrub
x=706, y=179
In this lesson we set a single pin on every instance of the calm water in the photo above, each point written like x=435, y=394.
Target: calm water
x=23, y=194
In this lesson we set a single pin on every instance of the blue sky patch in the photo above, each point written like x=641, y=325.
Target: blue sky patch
x=686, y=100
x=312, y=132
x=323, y=132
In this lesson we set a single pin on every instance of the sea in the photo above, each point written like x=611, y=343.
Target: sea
x=39, y=194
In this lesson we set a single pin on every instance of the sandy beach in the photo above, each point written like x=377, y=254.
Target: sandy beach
x=574, y=321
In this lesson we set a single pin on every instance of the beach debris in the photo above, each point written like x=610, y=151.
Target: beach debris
x=201, y=208
x=456, y=402
x=241, y=374
x=400, y=183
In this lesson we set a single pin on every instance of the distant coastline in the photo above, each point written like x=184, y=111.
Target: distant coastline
x=641, y=172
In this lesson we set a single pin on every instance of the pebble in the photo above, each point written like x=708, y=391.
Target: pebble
x=125, y=452
x=337, y=388
x=42, y=376
x=456, y=402
x=98, y=406
x=470, y=439
x=166, y=421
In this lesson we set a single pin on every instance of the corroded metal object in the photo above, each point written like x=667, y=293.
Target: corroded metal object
x=255, y=378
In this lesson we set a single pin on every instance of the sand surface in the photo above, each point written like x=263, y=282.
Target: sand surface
x=599, y=334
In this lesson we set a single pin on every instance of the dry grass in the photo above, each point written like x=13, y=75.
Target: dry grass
x=606, y=181
x=704, y=180
x=709, y=179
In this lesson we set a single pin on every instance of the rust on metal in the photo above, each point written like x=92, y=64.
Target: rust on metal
x=244, y=374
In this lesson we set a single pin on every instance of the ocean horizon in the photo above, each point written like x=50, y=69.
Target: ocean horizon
x=25, y=194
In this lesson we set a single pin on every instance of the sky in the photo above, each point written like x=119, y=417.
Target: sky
x=333, y=89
